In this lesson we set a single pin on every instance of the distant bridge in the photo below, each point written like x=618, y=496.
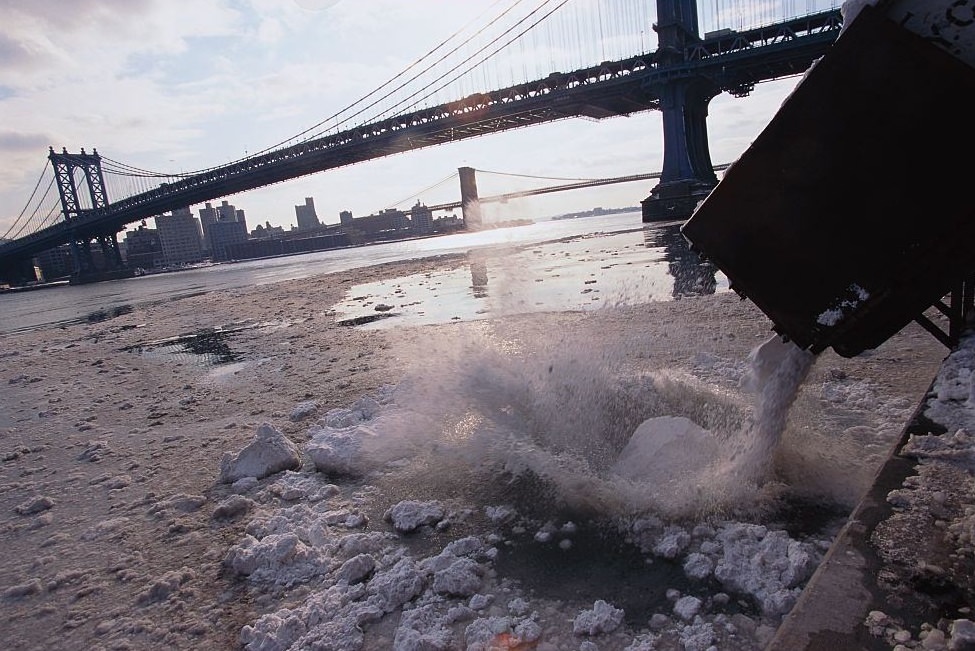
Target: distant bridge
x=575, y=185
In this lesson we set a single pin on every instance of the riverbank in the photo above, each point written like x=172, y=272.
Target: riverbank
x=118, y=529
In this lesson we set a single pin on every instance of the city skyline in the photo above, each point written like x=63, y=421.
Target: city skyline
x=145, y=86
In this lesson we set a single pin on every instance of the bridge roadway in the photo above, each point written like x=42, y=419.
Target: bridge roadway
x=734, y=62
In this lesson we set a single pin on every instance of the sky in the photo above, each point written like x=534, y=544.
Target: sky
x=182, y=85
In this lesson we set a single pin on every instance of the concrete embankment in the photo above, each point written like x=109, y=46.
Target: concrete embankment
x=895, y=575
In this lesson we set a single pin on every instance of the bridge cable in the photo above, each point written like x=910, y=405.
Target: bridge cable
x=530, y=176
x=427, y=189
x=466, y=60
x=123, y=169
x=32, y=194
x=505, y=44
x=347, y=108
x=391, y=80
x=28, y=225
x=428, y=68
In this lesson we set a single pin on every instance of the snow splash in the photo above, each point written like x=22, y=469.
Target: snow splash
x=534, y=493
x=588, y=435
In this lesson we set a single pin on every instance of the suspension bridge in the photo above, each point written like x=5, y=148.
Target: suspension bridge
x=727, y=46
x=568, y=184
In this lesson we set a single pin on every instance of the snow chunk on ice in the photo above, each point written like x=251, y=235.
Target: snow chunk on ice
x=769, y=565
x=34, y=505
x=421, y=628
x=687, y=607
x=356, y=569
x=462, y=578
x=277, y=559
x=397, y=585
x=336, y=451
x=603, y=618
x=666, y=449
x=410, y=515
x=269, y=452
x=303, y=410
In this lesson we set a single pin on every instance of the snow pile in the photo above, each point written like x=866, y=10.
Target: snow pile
x=269, y=452
x=425, y=574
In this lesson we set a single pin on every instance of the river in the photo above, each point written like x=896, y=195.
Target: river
x=619, y=248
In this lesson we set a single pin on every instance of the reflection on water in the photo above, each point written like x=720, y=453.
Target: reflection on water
x=551, y=265
x=584, y=272
x=692, y=275
x=207, y=347
x=479, y=279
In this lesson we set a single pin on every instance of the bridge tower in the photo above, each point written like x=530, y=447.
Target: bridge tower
x=687, y=175
x=89, y=166
x=470, y=203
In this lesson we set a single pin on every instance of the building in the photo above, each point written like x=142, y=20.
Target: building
x=208, y=216
x=345, y=217
x=223, y=235
x=181, y=237
x=421, y=218
x=307, y=217
x=266, y=231
x=55, y=263
x=389, y=220
x=267, y=247
x=143, y=249
x=225, y=213
x=228, y=212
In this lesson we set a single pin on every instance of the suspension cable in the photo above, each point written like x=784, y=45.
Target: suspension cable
x=134, y=171
x=32, y=195
x=427, y=189
x=505, y=44
x=30, y=219
x=123, y=169
x=416, y=76
x=530, y=176
x=381, y=87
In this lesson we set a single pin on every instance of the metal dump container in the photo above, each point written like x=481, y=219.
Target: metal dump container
x=851, y=213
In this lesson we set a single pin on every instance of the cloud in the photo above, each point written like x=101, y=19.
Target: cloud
x=316, y=5
x=11, y=141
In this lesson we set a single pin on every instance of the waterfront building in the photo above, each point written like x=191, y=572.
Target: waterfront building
x=390, y=219
x=142, y=248
x=345, y=218
x=266, y=231
x=208, y=216
x=55, y=263
x=225, y=213
x=228, y=212
x=266, y=247
x=307, y=217
x=181, y=237
x=421, y=218
x=223, y=235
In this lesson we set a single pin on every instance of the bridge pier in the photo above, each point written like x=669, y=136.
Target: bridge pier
x=687, y=176
x=86, y=270
x=470, y=203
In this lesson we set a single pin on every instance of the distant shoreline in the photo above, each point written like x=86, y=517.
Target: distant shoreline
x=596, y=212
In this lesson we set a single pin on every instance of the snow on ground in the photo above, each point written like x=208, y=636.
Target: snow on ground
x=426, y=575
x=453, y=482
